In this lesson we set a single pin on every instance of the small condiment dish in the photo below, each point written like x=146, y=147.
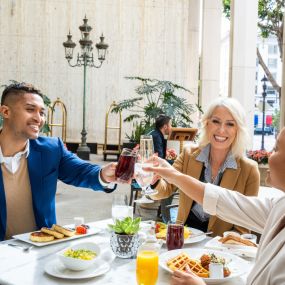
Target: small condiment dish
x=75, y=263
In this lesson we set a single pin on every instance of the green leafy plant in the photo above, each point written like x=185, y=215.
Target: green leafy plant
x=276, y=120
x=127, y=226
x=155, y=97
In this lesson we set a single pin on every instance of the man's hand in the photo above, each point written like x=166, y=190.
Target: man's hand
x=107, y=174
x=186, y=278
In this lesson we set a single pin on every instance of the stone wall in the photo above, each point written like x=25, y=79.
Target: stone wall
x=151, y=38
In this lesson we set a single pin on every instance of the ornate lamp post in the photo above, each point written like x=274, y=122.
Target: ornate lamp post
x=264, y=87
x=85, y=58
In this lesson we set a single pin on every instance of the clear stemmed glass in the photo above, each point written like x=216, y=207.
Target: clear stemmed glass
x=144, y=178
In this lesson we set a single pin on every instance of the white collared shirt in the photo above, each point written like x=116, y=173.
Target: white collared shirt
x=12, y=163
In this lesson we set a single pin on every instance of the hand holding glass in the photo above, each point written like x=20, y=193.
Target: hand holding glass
x=144, y=178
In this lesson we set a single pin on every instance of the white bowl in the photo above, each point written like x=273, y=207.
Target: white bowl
x=77, y=264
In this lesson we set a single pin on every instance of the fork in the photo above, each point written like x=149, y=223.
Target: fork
x=200, y=234
x=24, y=248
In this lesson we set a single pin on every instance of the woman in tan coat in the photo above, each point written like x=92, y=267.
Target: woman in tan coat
x=265, y=216
x=220, y=159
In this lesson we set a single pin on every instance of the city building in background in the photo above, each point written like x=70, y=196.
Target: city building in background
x=271, y=56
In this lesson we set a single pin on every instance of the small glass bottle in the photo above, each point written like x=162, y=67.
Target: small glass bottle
x=147, y=260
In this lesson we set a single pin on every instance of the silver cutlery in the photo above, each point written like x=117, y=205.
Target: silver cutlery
x=23, y=247
x=200, y=234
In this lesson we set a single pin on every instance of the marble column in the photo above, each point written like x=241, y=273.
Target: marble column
x=242, y=66
x=282, y=99
x=210, y=53
x=193, y=30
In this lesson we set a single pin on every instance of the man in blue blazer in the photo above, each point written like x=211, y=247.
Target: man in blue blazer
x=31, y=165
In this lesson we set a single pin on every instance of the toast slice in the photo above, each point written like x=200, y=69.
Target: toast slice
x=231, y=239
x=52, y=233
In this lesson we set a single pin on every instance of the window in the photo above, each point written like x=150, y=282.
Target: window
x=272, y=62
x=272, y=49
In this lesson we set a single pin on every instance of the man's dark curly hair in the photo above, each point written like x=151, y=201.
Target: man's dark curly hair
x=17, y=88
x=161, y=120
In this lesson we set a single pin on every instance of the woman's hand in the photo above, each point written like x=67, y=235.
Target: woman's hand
x=162, y=169
x=186, y=278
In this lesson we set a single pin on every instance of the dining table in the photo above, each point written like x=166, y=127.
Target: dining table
x=28, y=267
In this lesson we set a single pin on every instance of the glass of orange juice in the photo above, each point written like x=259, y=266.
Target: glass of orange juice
x=147, y=267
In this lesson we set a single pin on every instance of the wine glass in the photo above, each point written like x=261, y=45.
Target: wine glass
x=144, y=178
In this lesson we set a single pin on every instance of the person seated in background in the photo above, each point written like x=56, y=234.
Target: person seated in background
x=263, y=215
x=220, y=159
x=31, y=165
x=162, y=128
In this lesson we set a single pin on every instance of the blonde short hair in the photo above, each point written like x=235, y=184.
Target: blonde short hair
x=240, y=143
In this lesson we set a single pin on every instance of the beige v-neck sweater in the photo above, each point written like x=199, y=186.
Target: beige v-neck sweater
x=19, y=203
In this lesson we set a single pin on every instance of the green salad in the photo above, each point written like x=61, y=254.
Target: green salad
x=84, y=254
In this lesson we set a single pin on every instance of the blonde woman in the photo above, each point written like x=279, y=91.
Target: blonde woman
x=220, y=159
x=265, y=216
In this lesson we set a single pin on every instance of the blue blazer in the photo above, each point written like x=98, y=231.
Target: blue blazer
x=48, y=161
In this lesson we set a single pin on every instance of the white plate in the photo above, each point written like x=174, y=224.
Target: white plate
x=194, y=239
x=237, y=265
x=26, y=237
x=242, y=250
x=56, y=268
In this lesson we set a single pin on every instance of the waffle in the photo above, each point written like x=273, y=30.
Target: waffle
x=182, y=261
x=178, y=261
x=196, y=267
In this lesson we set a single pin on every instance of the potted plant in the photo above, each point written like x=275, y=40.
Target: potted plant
x=261, y=157
x=155, y=97
x=124, y=239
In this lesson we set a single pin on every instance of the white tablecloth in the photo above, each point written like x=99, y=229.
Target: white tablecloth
x=18, y=267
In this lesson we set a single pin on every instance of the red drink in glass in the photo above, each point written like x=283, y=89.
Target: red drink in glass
x=126, y=164
x=175, y=236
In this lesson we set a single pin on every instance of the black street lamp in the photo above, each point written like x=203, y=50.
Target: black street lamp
x=264, y=87
x=85, y=58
